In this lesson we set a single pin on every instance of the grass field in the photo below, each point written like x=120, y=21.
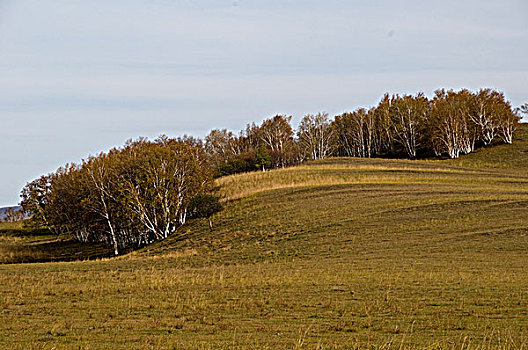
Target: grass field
x=336, y=254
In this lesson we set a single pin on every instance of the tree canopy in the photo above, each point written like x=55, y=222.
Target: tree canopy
x=141, y=192
x=411, y=126
x=129, y=196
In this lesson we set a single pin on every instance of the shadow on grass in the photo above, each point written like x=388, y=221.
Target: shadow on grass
x=60, y=250
x=22, y=243
x=26, y=232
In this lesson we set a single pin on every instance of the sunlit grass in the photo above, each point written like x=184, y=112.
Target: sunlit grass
x=337, y=254
x=355, y=171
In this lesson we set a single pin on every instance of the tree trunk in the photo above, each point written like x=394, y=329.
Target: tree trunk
x=113, y=235
x=210, y=223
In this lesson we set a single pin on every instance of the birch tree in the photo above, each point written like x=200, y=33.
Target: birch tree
x=277, y=134
x=343, y=135
x=508, y=121
x=448, y=123
x=128, y=196
x=221, y=144
x=408, y=118
x=167, y=176
x=104, y=180
x=314, y=135
x=357, y=133
x=382, y=115
x=484, y=114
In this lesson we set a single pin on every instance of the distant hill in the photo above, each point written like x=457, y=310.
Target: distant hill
x=3, y=211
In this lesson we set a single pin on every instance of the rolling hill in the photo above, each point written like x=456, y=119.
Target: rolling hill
x=335, y=254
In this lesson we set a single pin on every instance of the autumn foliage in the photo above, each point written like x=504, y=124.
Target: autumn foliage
x=142, y=192
x=129, y=196
x=450, y=124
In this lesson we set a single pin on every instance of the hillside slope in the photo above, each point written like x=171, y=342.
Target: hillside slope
x=513, y=157
x=340, y=254
x=319, y=208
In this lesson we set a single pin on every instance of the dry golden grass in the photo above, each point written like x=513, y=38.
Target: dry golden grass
x=352, y=171
x=339, y=254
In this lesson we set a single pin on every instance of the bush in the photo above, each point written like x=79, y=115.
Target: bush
x=204, y=206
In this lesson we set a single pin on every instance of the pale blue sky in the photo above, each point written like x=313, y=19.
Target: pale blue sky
x=78, y=77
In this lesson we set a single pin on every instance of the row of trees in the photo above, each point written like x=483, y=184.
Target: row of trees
x=257, y=147
x=145, y=190
x=451, y=123
x=129, y=196
x=12, y=214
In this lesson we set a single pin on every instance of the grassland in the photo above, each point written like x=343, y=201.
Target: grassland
x=21, y=243
x=336, y=254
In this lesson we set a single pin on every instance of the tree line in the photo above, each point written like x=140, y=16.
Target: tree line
x=11, y=214
x=145, y=190
x=129, y=196
x=450, y=124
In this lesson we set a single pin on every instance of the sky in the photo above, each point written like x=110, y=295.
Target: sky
x=79, y=77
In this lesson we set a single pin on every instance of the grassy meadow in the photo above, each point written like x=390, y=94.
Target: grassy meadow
x=344, y=253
